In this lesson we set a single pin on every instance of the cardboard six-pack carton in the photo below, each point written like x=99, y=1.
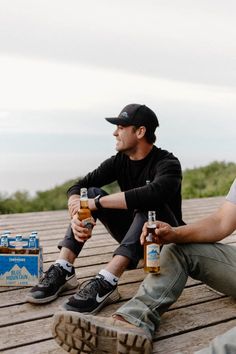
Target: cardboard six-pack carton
x=21, y=263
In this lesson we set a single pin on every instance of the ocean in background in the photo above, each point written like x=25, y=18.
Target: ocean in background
x=37, y=162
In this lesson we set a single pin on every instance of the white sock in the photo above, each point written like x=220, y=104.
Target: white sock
x=111, y=278
x=65, y=264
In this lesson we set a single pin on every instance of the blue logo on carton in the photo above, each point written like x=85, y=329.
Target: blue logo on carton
x=21, y=270
x=31, y=263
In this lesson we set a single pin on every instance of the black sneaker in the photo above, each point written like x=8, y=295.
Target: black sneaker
x=55, y=280
x=92, y=296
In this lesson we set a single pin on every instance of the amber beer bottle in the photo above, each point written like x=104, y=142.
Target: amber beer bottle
x=33, y=243
x=4, y=242
x=151, y=247
x=19, y=245
x=84, y=213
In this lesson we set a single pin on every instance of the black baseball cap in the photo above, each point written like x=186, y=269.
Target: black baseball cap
x=138, y=115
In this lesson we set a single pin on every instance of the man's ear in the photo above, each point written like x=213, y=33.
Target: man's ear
x=141, y=132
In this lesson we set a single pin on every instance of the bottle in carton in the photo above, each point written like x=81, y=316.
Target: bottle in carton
x=33, y=244
x=19, y=245
x=4, y=242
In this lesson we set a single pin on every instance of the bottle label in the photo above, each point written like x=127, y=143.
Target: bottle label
x=153, y=254
x=4, y=241
x=32, y=241
x=87, y=223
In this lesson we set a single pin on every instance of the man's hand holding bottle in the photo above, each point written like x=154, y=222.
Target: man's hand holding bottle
x=163, y=231
x=81, y=228
x=82, y=221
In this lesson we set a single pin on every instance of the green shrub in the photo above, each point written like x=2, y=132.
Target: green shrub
x=208, y=181
x=211, y=180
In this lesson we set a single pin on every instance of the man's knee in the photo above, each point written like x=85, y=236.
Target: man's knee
x=183, y=248
x=173, y=254
x=170, y=249
x=94, y=191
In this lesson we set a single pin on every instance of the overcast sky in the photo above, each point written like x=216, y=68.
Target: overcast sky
x=65, y=65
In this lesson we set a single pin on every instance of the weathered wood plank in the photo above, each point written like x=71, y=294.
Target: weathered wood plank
x=197, y=316
x=43, y=347
x=191, y=341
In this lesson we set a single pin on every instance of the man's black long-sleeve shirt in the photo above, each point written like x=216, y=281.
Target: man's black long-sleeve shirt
x=160, y=167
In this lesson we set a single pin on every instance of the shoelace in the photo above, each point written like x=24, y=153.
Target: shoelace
x=91, y=287
x=51, y=274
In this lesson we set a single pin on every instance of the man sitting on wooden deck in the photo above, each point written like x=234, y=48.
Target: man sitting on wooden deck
x=191, y=250
x=123, y=213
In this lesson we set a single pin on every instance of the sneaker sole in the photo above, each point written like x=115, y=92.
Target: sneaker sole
x=110, y=299
x=81, y=334
x=69, y=285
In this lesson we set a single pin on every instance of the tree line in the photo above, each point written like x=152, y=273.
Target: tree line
x=201, y=182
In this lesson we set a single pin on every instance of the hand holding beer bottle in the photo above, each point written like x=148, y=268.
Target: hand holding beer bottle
x=151, y=247
x=83, y=222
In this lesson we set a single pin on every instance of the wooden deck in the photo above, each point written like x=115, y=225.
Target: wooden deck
x=199, y=315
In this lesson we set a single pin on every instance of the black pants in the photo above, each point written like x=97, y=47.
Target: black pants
x=125, y=227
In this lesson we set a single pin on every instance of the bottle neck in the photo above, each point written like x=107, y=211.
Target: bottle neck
x=151, y=225
x=84, y=203
x=83, y=198
x=151, y=217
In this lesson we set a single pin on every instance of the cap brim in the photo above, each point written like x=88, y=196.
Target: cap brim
x=118, y=121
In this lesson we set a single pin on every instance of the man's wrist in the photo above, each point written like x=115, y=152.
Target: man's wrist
x=97, y=202
x=72, y=198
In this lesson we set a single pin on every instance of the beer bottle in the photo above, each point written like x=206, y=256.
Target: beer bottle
x=33, y=247
x=4, y=242
x=84, y=213
x=19, y=245
x=151, y=247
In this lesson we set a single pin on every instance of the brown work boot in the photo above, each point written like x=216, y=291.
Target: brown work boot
x=81, y=334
